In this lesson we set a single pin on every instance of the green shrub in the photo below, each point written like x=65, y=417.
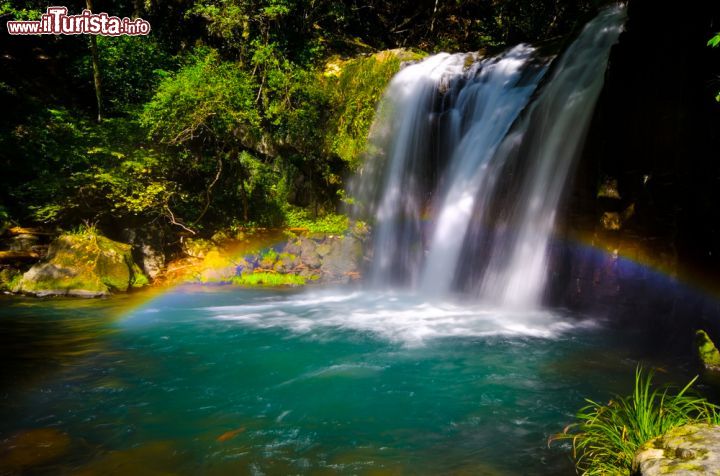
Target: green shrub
x=606, y=437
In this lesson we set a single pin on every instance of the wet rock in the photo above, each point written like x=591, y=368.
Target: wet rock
x=684, y=451
x=29, y=448
x=708, y=353
x=82, y=264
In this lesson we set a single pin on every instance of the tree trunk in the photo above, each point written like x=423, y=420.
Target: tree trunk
x=96, y=67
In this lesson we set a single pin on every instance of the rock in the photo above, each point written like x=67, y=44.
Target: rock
x=286, y=263
x=82, y=264
x=219, y=268
x=197, y=247
x=341, y=263
x=611, y=221
x=147, y=249
x=683, y=451
x=308, y=253
x=30, y=448
x=24, y=242
x=707, y=351
x=221, y=237
x=292, y=247
x=323, y=249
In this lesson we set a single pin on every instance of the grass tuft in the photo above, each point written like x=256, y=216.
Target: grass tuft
x=606, y=437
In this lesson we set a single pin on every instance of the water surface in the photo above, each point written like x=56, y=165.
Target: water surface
x=230, y=381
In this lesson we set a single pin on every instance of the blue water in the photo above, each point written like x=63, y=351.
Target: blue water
x=230, y=381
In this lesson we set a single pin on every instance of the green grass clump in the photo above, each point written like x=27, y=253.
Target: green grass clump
x=331, y=223
x=607, y=437
x=268, y=279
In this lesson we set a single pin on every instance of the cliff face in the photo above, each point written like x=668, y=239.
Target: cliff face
x=648, y=184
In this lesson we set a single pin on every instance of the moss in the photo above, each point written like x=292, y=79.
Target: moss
x=139, y=279
x=707, y=351
x=355, y=87
x=268, y=279
x=675, y=467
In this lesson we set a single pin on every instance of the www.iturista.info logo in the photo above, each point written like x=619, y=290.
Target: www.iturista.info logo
x=57, y=22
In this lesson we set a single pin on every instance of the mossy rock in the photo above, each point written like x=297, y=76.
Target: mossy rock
x=83, y=264
x=683, y=451
x=707, y=351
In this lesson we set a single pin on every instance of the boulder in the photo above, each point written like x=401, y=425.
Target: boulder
x=683, y=451
x=82, y=264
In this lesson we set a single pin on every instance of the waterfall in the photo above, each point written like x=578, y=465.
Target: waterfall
x=469, y=160
x=482, y=115
x=550, y=137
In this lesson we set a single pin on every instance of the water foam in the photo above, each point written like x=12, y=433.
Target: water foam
x=403, y=318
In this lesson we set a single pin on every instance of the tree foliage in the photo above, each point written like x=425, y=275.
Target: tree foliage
x=232, y=112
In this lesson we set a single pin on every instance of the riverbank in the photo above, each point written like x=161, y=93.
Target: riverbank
x=85, y=263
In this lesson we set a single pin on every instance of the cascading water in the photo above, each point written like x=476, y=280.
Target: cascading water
x=482, y=115
x=474, y=168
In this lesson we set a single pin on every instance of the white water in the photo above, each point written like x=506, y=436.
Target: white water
x=553, y=135
x=485, y=110
x=467, y=194
x=407, y=105
x=403, y=318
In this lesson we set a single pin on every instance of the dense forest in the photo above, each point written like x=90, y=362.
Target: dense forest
x=229, y=114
